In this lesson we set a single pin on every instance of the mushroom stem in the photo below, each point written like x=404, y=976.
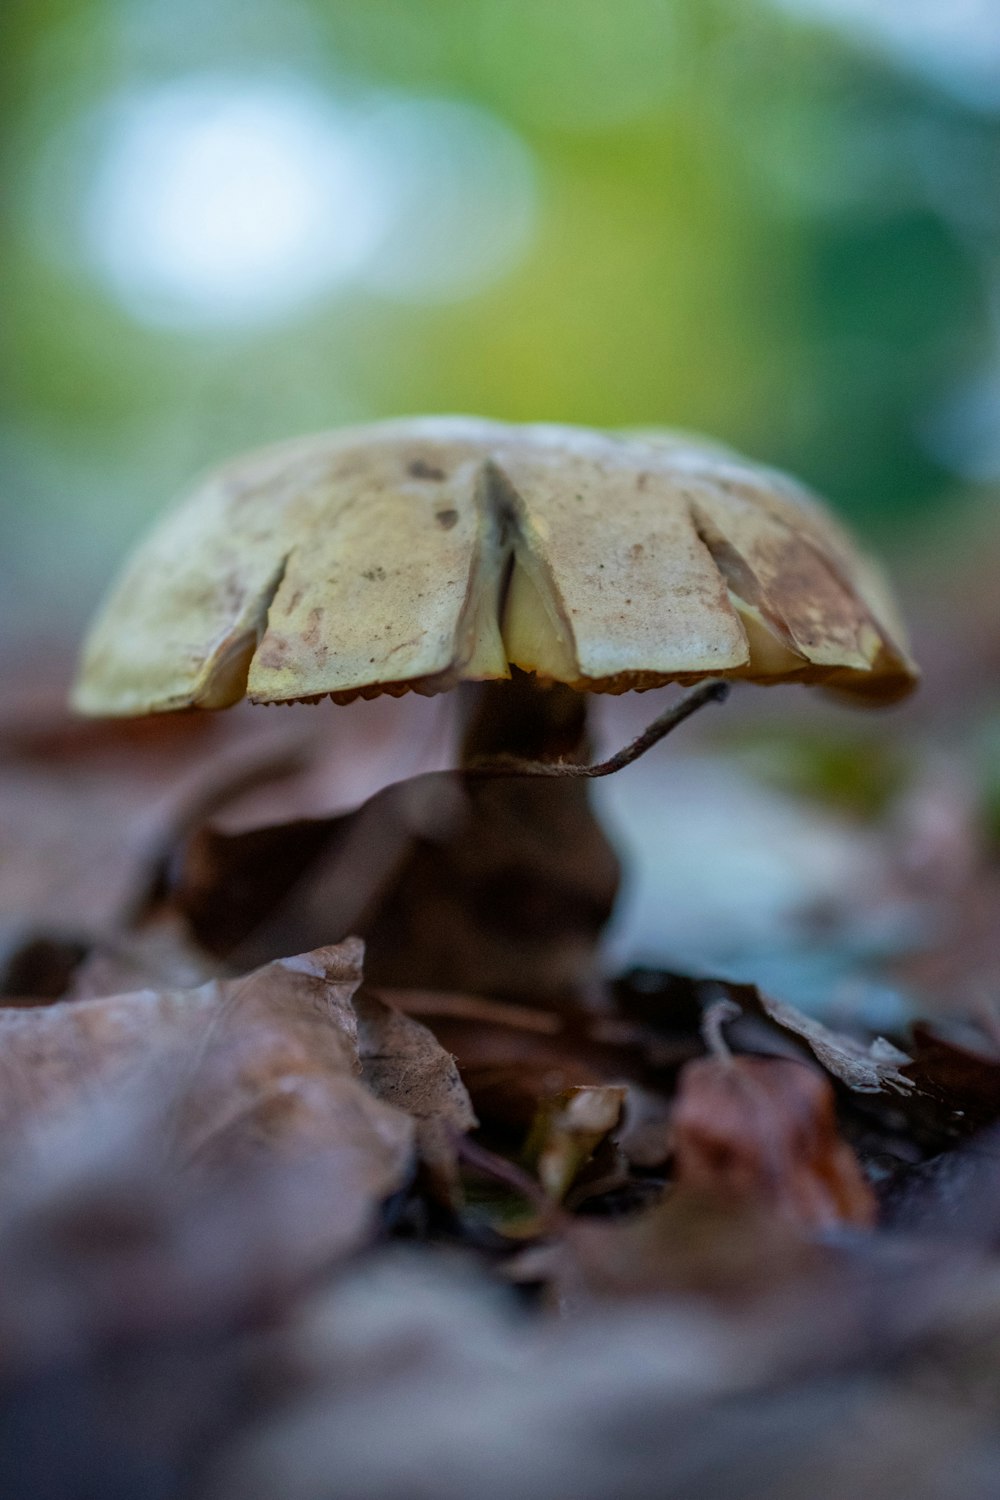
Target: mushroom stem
x=513, y=765
x=523, y=720
x=508, y=898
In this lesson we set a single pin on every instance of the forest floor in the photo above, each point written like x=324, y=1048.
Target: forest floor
x=283, y=1217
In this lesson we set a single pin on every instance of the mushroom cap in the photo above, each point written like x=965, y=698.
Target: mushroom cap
x=417, y=553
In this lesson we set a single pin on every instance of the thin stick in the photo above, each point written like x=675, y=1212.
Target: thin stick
x=718, y=1014
x=489, y=1164
x=513, y=765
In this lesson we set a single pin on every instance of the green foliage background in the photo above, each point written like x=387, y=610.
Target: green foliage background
x=747, y=226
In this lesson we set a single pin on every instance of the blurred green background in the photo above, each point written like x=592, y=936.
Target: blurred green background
x=225, y=223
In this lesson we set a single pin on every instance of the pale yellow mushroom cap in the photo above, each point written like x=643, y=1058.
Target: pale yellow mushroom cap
x=419, y=553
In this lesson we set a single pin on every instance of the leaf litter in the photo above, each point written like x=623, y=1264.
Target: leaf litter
x=319, y=1226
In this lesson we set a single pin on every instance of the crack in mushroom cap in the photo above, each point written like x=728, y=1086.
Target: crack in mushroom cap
x=417, y=553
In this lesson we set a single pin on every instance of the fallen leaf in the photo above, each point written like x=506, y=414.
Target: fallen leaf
x=403, y=1064
x=954, y=1195
x=266, y=1064
x=872, y=1069
x=88, y=810
x=495, y=887
x=85, y=809
x=567, y=1131
x=764, y=1130
x=515, y=1059
x=416, y=1378
x=733, y=1251
x=960, y=1065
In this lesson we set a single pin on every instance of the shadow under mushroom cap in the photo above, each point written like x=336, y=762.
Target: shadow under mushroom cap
x=414, y=554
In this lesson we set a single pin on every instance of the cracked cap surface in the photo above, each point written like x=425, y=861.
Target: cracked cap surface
x=417, y=553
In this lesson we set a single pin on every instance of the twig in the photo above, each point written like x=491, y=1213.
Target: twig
x=471, y=1154
x=512, y=765
x=718, y=1014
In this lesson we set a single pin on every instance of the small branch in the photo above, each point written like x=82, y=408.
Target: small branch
x=489, y=1164
x=512, y=765
x=718, y=1015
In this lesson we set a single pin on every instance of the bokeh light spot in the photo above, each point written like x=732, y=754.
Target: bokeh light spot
x=223, y=201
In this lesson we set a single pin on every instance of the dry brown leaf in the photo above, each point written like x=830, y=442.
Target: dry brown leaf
x=689, y=1244
x=958, y=1064
x=764, y=1130
x=404, y=1065
x=85, y=809
x=88, y=810
x=265, y=1064
x=496, y=887
x=514, y=1064
x=416, y=1380
x=517, y=1059
x=175, y=1160
x=872, y=1069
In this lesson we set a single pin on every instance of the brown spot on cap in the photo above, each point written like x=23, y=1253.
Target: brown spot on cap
x=446, y=519
x=274, y=651
x=311, y=634
x=419, y=468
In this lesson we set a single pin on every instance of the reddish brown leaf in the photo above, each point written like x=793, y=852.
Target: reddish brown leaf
x=691, y=1243
x=764, y=1130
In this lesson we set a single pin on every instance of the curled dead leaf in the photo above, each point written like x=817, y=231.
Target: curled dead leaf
x=265, y=1066
x=568, y=1130
x=872, y=1069
x=403, y=1065
x=489, y=886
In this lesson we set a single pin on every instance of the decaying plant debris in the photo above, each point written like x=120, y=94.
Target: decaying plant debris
x=281, y=1218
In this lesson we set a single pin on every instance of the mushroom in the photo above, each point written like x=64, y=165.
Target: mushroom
x=425, y=553
x=420, y=553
